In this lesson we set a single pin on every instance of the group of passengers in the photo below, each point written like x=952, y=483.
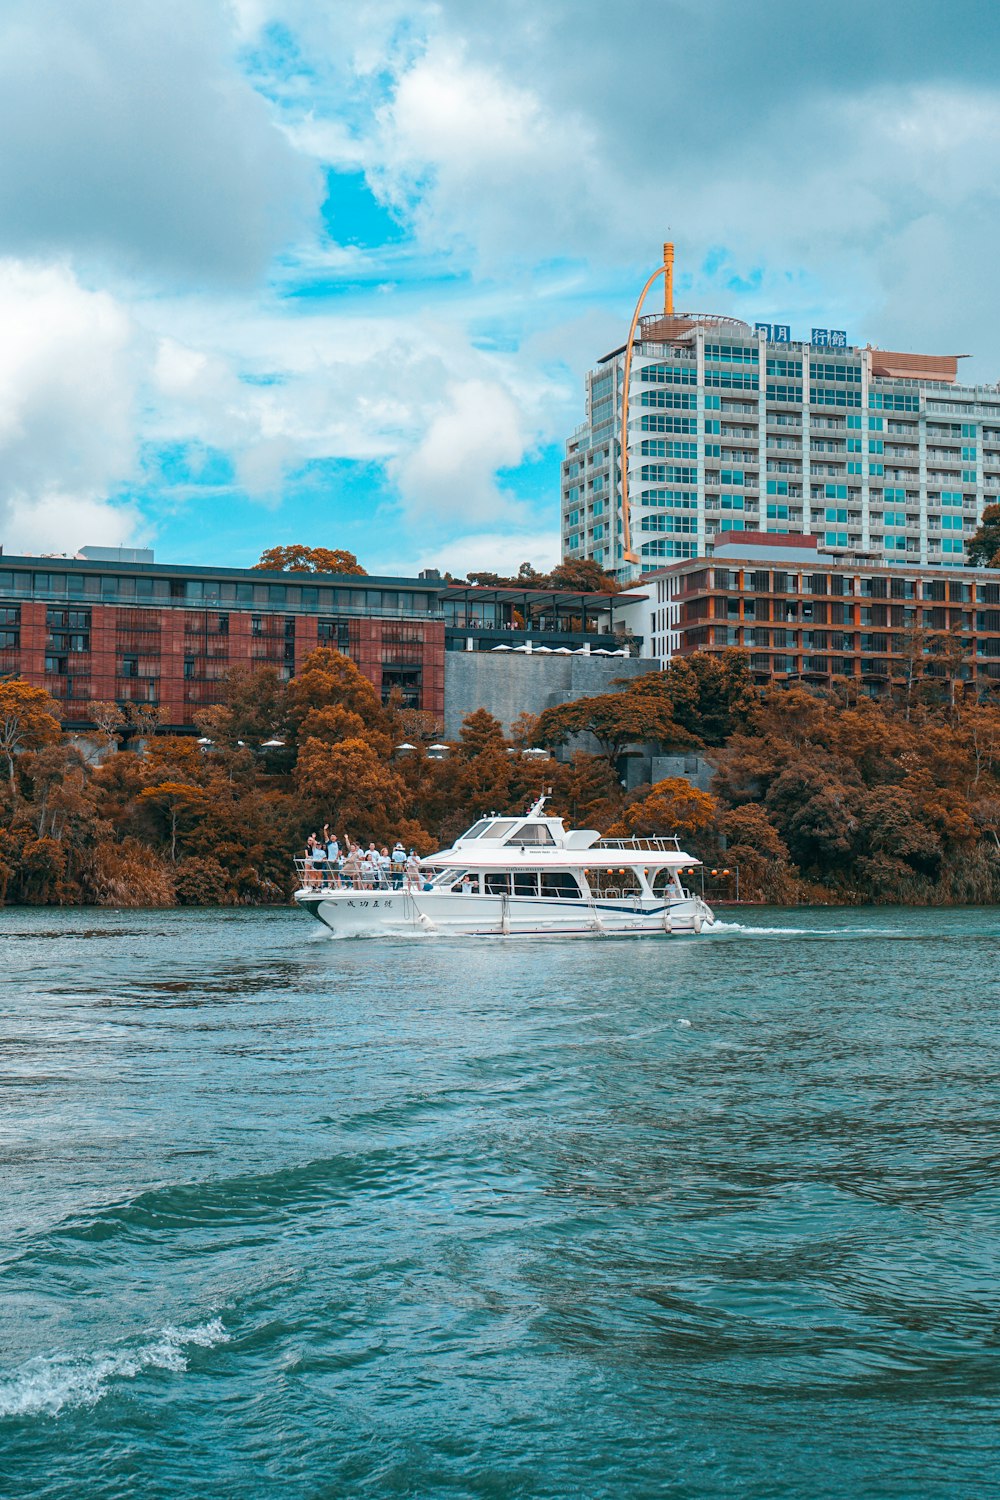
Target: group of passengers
x=349, y=866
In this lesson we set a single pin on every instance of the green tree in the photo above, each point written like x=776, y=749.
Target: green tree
x=983, y=551
x=300, y=559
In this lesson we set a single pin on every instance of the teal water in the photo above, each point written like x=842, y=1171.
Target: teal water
x=285, y=1216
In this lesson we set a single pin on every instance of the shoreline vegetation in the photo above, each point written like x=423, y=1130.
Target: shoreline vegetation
x=819, y=797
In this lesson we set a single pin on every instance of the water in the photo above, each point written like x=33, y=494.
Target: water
x=285, y=1216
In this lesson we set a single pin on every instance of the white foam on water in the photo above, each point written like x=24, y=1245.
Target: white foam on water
x=49, y=1382
x=753, y=931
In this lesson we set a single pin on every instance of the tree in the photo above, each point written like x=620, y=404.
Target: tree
x=109, y=719
x=143, y=719
x=615, y=720
x=326, y=679
x=711, y=695
x=983, y=551
x=579, y=575
x=175, y=800
x=480, y=730
x=814, y=815
x=28, y=720
x=583, y=575
x=754, y=846
x=669, y=806
x=523, y=730
x=525, y=578
x=358, y=795
x=254, y=708
x=300, y=559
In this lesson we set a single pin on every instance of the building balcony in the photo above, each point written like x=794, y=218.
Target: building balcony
x=550, y=637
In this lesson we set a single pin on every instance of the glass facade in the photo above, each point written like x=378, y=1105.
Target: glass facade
x=897, y=467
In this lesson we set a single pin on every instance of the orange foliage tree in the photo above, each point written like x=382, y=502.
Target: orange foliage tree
x=29, y=718
x=300, y=559
x=669, y=806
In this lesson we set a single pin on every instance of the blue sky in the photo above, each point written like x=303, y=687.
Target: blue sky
x=276, y=271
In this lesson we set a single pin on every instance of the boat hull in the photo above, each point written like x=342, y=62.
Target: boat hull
x=398, y=913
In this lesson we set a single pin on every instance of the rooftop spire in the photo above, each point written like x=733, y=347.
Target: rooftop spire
x=668, y=279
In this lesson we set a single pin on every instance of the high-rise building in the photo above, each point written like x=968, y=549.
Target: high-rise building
x=734, y=428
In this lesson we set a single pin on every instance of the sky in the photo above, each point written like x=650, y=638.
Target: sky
x=278, y=271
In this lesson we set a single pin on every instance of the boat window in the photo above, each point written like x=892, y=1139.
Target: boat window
x=559, y=883
x=453, y=879
x=496, y=883
x=614, y=883
x=533, y=833
x=662, y=881
x=497, y=830
x=525, y=883
x=477, y=830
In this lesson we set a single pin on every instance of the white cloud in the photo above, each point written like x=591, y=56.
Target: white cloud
x=70, y=364
x=412, y=393
x=500, y=552
x=63, y=523
x=131, y=138
x=505, y=137
x=479, y=160
x=451, y=473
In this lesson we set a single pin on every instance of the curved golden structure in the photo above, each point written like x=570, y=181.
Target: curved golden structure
x=667, y=272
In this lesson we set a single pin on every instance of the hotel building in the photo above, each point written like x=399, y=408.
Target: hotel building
x=110, y=625
x=734, y=428
x=808, y=615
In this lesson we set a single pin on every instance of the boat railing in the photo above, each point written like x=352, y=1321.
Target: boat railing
x=315, y=877
x=657, y=845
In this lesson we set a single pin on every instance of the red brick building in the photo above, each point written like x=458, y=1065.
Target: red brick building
x=107, y=627
x=807, y=615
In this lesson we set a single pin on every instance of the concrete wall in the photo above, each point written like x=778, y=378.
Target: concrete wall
x=508, y=683
x=691, y=767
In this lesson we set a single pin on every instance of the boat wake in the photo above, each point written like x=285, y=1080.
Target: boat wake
x=49, y=1383
x=749, y=930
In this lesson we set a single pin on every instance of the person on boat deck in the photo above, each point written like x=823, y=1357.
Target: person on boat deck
x=332, y=852
x=412, y=872
x=368, y=871
x=384, y=866
x=466, y=886
x=317, y=859
x=352, y=867
x=398, y=865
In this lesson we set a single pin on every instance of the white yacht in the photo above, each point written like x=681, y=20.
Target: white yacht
x=525, y=876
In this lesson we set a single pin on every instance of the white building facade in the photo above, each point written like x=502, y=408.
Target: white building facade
x=735, y=428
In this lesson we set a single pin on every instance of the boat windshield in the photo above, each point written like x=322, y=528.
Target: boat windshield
x=489, y=828
x=532, y=833
x=497, y=830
